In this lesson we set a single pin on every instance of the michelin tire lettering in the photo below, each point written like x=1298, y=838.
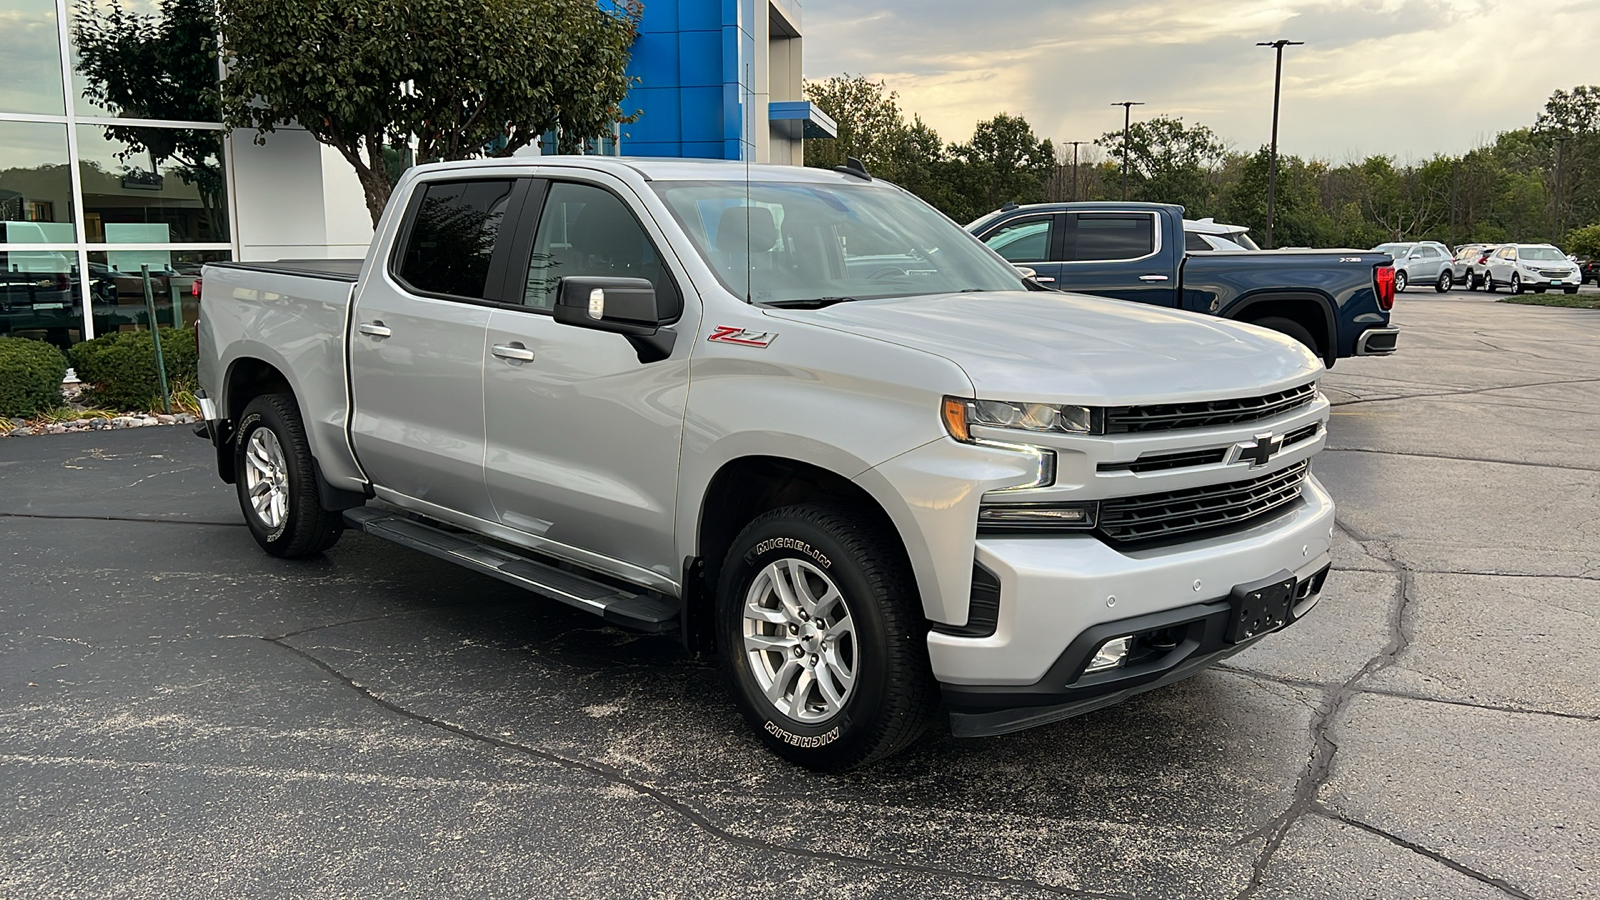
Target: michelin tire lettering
x=800, y=740
x=783, y=543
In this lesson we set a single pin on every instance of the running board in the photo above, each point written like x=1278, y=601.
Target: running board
x=617, y=606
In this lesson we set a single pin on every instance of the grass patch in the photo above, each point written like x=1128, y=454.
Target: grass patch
x=1575, y=301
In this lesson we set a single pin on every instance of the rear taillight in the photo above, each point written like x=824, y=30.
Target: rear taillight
x=1383, y=283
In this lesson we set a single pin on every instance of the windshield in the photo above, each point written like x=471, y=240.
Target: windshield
x=786, y=243
x=1547, y=254
x=1396, y=250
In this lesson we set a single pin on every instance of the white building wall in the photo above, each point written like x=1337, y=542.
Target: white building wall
x=296, y=198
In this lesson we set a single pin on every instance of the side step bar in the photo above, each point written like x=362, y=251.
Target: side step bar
x=619, y=607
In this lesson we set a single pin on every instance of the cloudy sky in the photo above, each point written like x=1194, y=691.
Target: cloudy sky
x=1408, y=78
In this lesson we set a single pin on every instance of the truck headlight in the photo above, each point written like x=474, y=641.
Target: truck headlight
x=955, y=421
x=1041, y=417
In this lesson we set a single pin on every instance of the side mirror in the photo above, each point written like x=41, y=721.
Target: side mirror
x=1025, y=272
x=626, y=306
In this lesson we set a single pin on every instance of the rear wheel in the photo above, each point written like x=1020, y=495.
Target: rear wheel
x=820, y=627
x=1291, y=328
x=1400, y=280
x=1445, y=282
x=1473, y=283
x=276, y=480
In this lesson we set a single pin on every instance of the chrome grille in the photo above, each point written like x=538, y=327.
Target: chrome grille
x=1155, y=516
x=1205, y=414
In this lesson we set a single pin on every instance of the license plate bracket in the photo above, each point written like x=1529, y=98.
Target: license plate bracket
x=1259, y=608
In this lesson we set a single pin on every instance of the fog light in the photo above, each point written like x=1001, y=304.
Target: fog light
x=1111, y=655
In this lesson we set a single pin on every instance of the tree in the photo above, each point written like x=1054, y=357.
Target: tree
x=870, y=125
x=1583, y=242
x=1004, y=162
x=160, y=66
x=468, y=78
x=1168, y=162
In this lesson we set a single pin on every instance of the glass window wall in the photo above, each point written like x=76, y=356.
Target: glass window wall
x=148, y=185
x=117, y=277
x=40, y=296
x=35, y=184
x=30, y=58
x=145, y=59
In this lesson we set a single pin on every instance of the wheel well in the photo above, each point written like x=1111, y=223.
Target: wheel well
x=744, y=489
x=247, y=379
x=1309, y=313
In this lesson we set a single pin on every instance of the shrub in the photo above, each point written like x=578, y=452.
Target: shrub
x=1584, y=242
x=30, y=376
x=119, y=370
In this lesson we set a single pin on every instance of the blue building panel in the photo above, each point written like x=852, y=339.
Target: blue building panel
x=693, y=61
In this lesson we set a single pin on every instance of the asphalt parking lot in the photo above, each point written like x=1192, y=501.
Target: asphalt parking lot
x=182, y=716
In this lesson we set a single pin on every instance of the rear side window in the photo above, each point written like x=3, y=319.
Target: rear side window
x=1193, y=242
x=1110, y=236
x=453, y=232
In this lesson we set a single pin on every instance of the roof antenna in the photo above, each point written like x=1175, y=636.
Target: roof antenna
x=746, y=145
x=853, y=166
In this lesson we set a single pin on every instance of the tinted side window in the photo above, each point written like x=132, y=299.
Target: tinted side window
x=1110, y=236
x=585, y=230
x=1192, y=242
x=453, y=234
x=1022, y=240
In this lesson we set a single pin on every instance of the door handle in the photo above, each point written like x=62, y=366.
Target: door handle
x=1152, y=278
x=1043, y=279
x=513, y=351
x=376, y=329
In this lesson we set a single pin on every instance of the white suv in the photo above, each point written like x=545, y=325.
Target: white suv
x=1420, y=262
x=1536, y=267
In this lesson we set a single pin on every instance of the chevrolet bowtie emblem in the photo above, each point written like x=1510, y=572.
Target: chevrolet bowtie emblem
x=1258, y=451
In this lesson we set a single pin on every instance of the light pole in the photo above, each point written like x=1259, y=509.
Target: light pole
x=1127, y=117
x=1555, y=212
x=1075, y=167
x=1272, y=159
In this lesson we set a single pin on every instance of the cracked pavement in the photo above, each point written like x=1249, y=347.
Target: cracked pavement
x=182, y=716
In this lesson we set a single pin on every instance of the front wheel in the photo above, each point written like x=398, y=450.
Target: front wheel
x=1291, y=328
x=1488, y=283
x=1400, y=280
x=1516, y=283
x=1444, y=283
x=819, y=624
x=277, y=482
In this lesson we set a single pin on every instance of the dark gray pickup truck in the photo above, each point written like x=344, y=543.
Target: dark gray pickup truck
x=1336, y=302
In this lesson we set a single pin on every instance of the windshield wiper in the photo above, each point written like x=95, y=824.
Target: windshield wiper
x=807, y=303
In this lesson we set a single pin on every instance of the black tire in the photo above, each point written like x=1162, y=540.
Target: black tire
x=306, y=527
x=1400, y=280
x=1473, y=283
x=1488, y=283
x=1293, y=329
x=1571, y=290
x=1516, y=283
x=1445, y=282
x=892, y=695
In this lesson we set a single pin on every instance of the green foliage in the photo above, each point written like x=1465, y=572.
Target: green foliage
x=463, y=76
x=1168, y=162
x=1583, y=242
x=30, y=376
x=119, y=369
x=1528, y=185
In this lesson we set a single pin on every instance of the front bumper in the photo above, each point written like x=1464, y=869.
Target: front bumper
x=1059, y=595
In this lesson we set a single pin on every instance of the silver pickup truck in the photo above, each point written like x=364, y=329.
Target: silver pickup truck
x=796, y=416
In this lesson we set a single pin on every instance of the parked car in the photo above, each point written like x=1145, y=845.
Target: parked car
x=1470, y=263
x=1588, y=270
x=1335, y=302
x=1535, y=267
x=793, y=415
x=1205, y=235
x=1419, y=262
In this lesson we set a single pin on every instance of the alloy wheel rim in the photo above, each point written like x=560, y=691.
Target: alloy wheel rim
x=266, y=477
x=800, y=640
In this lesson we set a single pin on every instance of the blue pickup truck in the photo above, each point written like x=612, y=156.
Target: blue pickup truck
x=1336, y=302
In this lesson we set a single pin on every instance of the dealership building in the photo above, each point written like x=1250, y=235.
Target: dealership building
x=91, y=190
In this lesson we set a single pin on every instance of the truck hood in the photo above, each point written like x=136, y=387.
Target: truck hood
x=1073, y=348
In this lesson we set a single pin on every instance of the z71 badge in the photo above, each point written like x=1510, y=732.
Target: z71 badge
x=733, y=334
